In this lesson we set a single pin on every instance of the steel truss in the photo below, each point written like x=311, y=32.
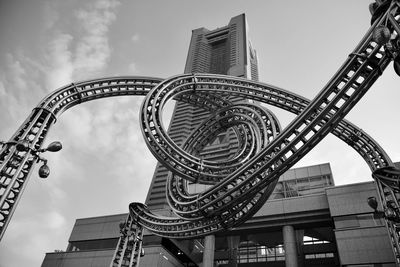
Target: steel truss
x=242, y=184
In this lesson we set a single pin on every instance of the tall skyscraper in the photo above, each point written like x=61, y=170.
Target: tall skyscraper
x=225, y=50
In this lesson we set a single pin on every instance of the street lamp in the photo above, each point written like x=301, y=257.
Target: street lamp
x=52, y=147
x=390, y=212
x=24, y=146
x=373, y=203
x=44, y=170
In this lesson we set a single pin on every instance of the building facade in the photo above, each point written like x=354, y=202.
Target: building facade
x=307, y=222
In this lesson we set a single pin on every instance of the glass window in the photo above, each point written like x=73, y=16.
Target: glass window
x=368, y=220
x=346, y=221
x=319, y=255
x=301, y=187
x=110, y=243
x=360, y=220
x=307, y=240
x=250, y=252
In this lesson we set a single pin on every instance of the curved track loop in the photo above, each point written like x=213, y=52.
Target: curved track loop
x=234, y=199
x=243, y=183
x=16, y=166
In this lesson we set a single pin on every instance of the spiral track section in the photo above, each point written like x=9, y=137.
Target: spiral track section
x=240, y=185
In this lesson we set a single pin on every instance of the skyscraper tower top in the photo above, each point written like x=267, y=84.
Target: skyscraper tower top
x=226, y=50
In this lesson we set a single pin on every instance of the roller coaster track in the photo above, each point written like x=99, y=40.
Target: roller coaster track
x=242, y=184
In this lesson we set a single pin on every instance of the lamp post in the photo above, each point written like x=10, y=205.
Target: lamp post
x=390, y=212
x=24, y=146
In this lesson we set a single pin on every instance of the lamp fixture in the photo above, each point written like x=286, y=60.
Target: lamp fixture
x=24, y=146
x=390, y=213
x=52, y=147
x=373, y=203
x=44, y=170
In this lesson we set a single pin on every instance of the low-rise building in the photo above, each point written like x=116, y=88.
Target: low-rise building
x=308, y=221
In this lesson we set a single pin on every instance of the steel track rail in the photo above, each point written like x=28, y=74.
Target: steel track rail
x=53, y=105
x=222, y=205
x=243, y=183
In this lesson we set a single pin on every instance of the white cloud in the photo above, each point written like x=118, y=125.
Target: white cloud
x=73, y=57
x=106, y=4
x=91, y=134
x=132, y=68
x=18, y=89
x=55, y=220
x=2, y=89
x=15, y=72
x=135, y=38
x=31, y=238
x=51, y=15
x=60, y=68
x=93, y=50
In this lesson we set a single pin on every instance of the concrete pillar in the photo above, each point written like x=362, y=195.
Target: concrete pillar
x=289, y=243
x=208, y=253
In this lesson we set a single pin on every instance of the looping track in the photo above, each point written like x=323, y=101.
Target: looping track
x=242, y=184
x=234, y=198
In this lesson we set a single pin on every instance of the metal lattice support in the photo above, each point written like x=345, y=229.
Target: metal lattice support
x=388, y=183
x=129, y=247
x=242, y=184
x=15, y=165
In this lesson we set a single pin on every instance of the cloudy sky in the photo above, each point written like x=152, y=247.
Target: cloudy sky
x=104, y=164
